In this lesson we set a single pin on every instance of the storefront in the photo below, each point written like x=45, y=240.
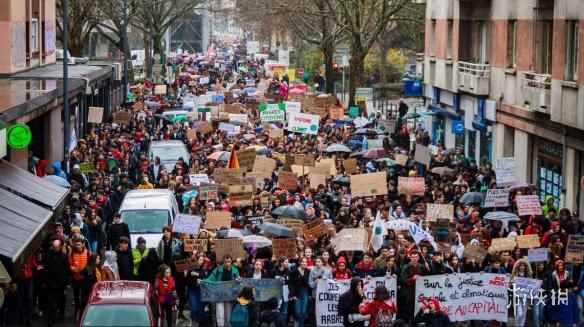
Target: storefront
x=549, y=169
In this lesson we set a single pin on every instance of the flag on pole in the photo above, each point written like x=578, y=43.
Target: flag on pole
x=379, y=231
x=419, y=235
x=233, y=161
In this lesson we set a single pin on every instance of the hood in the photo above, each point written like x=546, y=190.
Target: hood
x=57, y=166
x=516, y=267
x=152, y=240
x=355, y=281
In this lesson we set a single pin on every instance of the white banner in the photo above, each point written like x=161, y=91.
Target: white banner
x=292, y=107
x=505, y=171
x=303, y=123
x=328, y=293
x=470, y=296
x=496, y=198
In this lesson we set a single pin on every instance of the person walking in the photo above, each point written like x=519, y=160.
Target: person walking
x=244, y=310
x=223, y=273
x=349, y=303
x=78, y=260
x=125, y=261
x=57, y=275
x=193, y=280
x=381, y=310
x=166, y=294
x=300, y=291
x=138, y=254
x=116, y=230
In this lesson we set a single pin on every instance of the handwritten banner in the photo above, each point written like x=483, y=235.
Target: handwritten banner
x=284, y=247
x=528, y=205
x=350, y=239
x=502, y=244
x=439, y=211
x=314, y=229
x=303, y=123
x=217, y=219
x=246, y=159
x=496, y=198
x=187, y=224
x=528, y=241
x=287, y=181
x=505, y=171
x=464, y=297
x=265, y=289
x=329, y=291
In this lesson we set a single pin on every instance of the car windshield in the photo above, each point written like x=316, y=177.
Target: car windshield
x=116, y=315
x=169, y=153
x=146, y=221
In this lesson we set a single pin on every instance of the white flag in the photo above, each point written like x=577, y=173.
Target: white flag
x=419, y=235
x=379, y=231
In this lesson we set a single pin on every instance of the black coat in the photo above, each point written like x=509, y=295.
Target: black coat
x=57, y=271
x=298, y=282
x=125, y=265
x=115, y=232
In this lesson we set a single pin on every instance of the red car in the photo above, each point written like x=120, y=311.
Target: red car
x=121, y=303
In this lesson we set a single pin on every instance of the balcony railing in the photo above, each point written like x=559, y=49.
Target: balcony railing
x=474, y=78
x=536, y=89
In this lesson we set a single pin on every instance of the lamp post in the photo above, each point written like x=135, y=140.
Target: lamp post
x=66, y=112
x=126, y=50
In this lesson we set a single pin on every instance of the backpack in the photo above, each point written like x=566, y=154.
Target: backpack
x=239, y=316
x=384, y=318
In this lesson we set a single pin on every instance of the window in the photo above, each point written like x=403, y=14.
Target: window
x=511, y=44
x=34, y=35
x=450, y=41
x=433, y=38
x=572, y=48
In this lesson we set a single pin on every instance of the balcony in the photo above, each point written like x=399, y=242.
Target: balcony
x=474, y=78
x=536, y=91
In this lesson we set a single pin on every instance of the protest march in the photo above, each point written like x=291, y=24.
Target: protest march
x=240, y=197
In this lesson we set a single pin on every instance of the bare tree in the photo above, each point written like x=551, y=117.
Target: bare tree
x=363, y=21
x=82, y=19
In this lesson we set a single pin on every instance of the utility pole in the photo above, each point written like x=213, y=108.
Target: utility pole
x=126, y=50
x=66, y=113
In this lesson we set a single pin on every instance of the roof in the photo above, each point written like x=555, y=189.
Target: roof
x=55, y=71
x=147, y=199
x=31, y=186
x=21, y=220
x=120, y=292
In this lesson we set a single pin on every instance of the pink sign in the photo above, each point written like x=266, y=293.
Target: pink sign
x=528, y=205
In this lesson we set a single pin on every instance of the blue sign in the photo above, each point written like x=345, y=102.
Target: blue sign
x=457, y=127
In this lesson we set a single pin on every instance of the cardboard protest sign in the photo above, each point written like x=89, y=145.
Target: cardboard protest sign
x=241, y=195
x=303, y=123
x=575, y=249
x=304, y=160
x=246, y=159
x=230, y=129
x=121, y=117
x=295, y=224
x=227, y=176
x=337, y=113
x=328, y=292
x=502, y=244
x=208, y=192
x=401, y=159
x=276, y=133
x=231, y=246
x=372, y=184
x=183, y=265
x=87, y=167
x=316, y=180
x=538, y=255
x=475, y=252
x=505, y=171
x=264, y=166
x=187, y=224
x=239, y=119
x=489, y=290
x=528, y=241
x=329, y=162
x=138, y=106
x=439, y=211
x=350, y=166
x=528, y=205
x=314, y=229
x=350, y=239
x=284, y=247
x=423, y=155
x=160, y=90
x=217, y=219
x=95, y=115
x=189, y=245
x=411, y=185
x=496, y=198
x=230, y=108
x=287, y=181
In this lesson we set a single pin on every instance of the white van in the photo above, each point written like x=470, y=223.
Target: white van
x=146, y=212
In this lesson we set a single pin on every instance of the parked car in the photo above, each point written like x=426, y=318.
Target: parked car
x=121, y=303
x=169, y=152
x=146, y=212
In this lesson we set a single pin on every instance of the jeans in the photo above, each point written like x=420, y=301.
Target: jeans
x=196, y=305
x=284, y=312
x=79, y=297
x=25, y=300
x=56, y=298
x=223, y=313
x=301, y=307
x=538, y=314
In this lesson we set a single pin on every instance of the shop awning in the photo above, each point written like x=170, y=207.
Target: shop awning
x=443, y=111
x=31, y=186
x=21, y=221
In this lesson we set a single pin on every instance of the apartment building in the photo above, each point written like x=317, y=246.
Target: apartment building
x=505, y=78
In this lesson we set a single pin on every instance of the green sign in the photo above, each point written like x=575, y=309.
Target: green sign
x=19, y=136
x=272, y=112
x=353, y=112
x=203, y=109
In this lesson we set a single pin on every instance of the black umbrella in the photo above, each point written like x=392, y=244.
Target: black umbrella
x=289, y=211
x=277, y=230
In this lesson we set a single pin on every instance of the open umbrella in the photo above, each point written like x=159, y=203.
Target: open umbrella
x=256, y=241
x=229, y=233
x=372, y=131
x=360, y=122
x=519, y=185
x=388, y=161
x=219, y=156
x=471, y=198
x=375, y=153
x=341, y=180
x=277, y=230
x=289, y=211
x=443, y=171
x=337, y=148
x=502, y=215
x=60, y=181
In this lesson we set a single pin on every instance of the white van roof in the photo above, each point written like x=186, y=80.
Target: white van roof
x=147, y=199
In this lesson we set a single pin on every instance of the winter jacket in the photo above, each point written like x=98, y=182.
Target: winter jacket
x=163, y=291
x=373, y=307
x=349, y=304
x=298, y=282
x=125, y=265
x=137, y=257
x=115, y=232
x=217, y=273
x=57, y=270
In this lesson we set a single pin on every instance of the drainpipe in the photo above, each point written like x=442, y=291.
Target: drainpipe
x=564, y=154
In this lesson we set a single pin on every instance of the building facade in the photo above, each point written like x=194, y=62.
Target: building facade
x=505, y=78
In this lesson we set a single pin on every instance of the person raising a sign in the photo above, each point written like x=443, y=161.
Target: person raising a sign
x=381, y=310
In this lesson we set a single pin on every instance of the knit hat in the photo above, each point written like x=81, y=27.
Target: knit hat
x=75, y=229
x=341, y=260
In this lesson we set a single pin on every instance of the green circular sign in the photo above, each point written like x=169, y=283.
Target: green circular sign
x=18, y=136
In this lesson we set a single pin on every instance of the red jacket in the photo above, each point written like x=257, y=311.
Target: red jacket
x=164, y=291
x=373, y=307
x=345, y=274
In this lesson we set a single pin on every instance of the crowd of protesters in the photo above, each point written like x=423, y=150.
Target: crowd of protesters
x=91, y=242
